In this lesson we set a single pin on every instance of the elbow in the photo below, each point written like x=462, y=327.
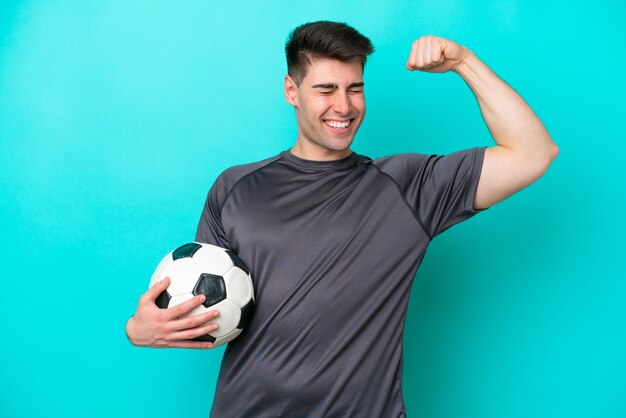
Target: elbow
x=548, y=157
x=548, y=153
x=554, y=152
x=539, y=161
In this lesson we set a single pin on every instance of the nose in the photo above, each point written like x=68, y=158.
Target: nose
x=341, y=103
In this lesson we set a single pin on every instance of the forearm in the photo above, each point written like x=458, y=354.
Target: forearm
x=512, y=123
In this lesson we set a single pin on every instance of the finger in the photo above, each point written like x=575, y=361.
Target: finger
x=195, y=320
x=190, y=334
x=420, y=53
x=201, y=345
x=185, y=307
x=410, y=64
x=437, y=52
x=156, y=290
x=428, y=52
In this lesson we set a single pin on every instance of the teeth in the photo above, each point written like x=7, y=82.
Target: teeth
x=337, y=125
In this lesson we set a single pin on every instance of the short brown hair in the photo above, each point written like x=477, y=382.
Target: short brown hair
x=324, y=39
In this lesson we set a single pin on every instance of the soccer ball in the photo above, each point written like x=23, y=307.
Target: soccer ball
x=199, y=268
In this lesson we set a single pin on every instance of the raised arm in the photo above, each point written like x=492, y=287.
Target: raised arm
x=524, y=150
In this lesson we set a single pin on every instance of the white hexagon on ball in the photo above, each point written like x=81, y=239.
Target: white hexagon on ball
x=238, y=286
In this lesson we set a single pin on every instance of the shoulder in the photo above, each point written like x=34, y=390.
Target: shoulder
x=229, y=177
x=400, y=160
x=398, y=166
x=411, y=167
x=401, y=163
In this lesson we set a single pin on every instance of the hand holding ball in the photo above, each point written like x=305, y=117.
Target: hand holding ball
x=216, y=273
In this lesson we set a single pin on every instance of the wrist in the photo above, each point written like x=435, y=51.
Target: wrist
x=467, y=63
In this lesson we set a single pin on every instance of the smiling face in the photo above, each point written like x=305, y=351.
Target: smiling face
x=330, y=106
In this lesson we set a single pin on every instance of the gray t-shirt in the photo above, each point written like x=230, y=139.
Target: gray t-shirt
x=333, y=248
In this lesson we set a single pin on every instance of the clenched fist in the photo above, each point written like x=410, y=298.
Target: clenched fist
x=436, y=55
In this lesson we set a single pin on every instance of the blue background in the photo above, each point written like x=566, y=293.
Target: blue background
x=117, y=116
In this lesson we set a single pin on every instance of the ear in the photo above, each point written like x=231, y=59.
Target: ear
x=291, y=91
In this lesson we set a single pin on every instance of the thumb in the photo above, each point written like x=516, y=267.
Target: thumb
x=157, y=289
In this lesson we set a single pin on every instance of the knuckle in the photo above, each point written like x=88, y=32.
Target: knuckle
x=169, y=337
x=161, y=330
x=160, y=342
x=176, y=310
x=197, y=323
x=187, y=335
x=188, y=304
x=161, y=316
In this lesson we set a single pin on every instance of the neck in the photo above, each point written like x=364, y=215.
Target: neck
x=316, y=153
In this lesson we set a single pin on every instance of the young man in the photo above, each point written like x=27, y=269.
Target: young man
x=333, y=238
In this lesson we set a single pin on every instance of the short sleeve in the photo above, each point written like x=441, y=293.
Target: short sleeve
x=445, y=187
x=439, y=188
x=210, y=229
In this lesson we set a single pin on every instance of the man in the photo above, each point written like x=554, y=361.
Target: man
x=333, y=238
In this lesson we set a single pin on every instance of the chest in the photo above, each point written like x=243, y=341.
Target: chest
x=308, y=217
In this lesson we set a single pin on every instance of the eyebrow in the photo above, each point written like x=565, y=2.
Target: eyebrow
x=334, y=86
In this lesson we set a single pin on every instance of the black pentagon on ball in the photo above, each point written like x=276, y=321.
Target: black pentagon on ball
x=212, y=286
x=237, y=261
x=163, y=300
x=246, y=314
x=205, y=337
x=187, y=250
